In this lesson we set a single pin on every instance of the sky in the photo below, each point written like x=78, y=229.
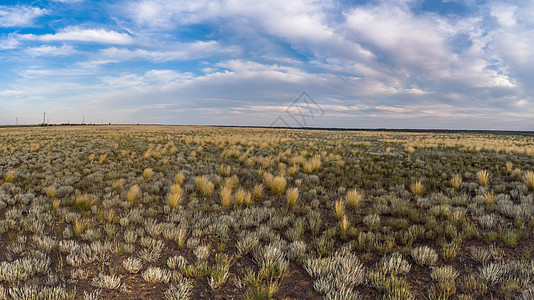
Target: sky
x=426, y=64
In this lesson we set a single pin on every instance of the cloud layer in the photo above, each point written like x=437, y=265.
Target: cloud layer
x=396, y=64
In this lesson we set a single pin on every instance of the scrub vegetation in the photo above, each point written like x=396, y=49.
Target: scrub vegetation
x=161, y=212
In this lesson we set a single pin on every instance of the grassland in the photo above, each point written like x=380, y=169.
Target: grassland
x=155, y=212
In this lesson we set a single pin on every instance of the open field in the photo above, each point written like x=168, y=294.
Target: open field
x=156, y=212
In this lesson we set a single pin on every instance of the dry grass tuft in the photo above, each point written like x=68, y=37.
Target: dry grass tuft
x=226, y=196
x=148, y=173
x=50, y=192
x=278, y=185
x=10, y=176
x=483, y=177
x=339, y=209
x=292, y=196
x=489, y=198
x=416, y=188
x=204, y=185
x=344, y=224
x=79, y=226
x=241, y=196
x=84, y=202
x=257, y=192
x=353, y=198
x=56, y=203
x=456, y=180
x=179, y=178
x=509, y=167
x=528, y=178
x=118, y=184
x=102, y=159
x=132, y=193
x=175, y=196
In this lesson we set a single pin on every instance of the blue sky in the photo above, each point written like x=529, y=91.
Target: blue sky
x=366, y=64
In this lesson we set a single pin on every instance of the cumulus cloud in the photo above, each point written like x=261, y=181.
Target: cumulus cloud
x=19, y=15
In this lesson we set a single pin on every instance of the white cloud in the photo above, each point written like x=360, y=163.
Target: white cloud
x=77, y=34
x=303, y=23
x=184, y=51
x=9, y=42
x=418, y=51
x=162, y=79
x=46, y=50
x=68, y=1
x=378, y=60
x=512, y=45
x=19, y=15
x=505, y=14
x=35, y=72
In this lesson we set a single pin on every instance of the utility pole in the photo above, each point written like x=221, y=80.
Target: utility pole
x=44, y=118
x=17, y=121
x=83, y=122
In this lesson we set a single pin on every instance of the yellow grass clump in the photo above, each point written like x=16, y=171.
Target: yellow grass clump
x=181, y=237
x=118, y=184
x=292, y=196
x=313, y=165
x=56, y=203
x=278, y=185
x=109, y=214
x=204, y=185
x=509, y=167
x=179, y=178
x=489, y=198
x=483, y=177
x=344, y=224
x=102, y=158
x=226, y=196
x=79, y=226
x=50, y=192
x=257, y=192
x=148, y=173
x=175, y=196
x=293, y=170
x=241, y=196
x=132, y=193
x=224, y=170
x=353, y=198
x=84, y=202
x=528, y=178
x=339, y=209
x=456, y=180
x=10, y=176
x=268, y=179
x=416, y=188
x=231, y=182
